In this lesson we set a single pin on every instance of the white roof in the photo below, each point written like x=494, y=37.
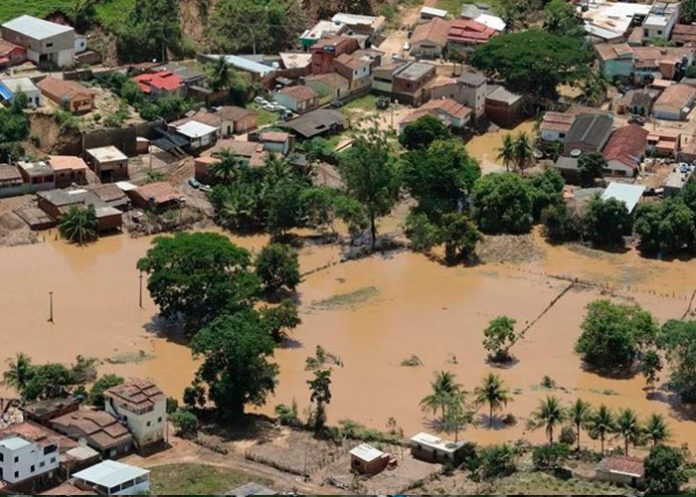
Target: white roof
x=82, y=453
x=110, y=473
x=14, y=443
x=628, y=194
x=435, y=442
x=432, y=11
x=366, y=452
x=321, y=29
x=245, y=64
x=195, y=129
x=293, y=60
x=126, y=186
x=36, y=28
x=353, y=19
x=106, y=153
x=19, y=84
x=493, y=22
x=610, y=20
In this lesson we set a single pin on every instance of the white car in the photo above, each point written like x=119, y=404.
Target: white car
x=407, y=46
x=260, y=100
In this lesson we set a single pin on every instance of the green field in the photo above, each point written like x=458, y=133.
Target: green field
x=109, y=12
x=112, y=12
x=196, y=479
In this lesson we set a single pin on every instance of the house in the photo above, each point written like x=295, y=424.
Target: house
x=664, y=143
x=615, y=59
x=47, y=43
x=675, y=102
x=466, y=34
x=588, y=133
x=630, y=195
x=429, y=40
x=669, y=62
x=625, y=150
x=188, y=72
x=441, y=87
x=109, y=163
x=42, y=411
x=623, y=470
x=69, y=95
x=660, y=20
x=251, y=154
x=449, y=111
x=355, y=70
x=638, y=102
x=298, y=99
x=294, y=63
x=427, y=13
x=316, y=123
x=409, y=81
x=22, y=458
x=369, y=26
x=373, y=55
x=111, y=195
x=482, y=13
x=236, y=120
x=155, y=197
x=329, y=86
x=68, y=170
x=325, y=51
x=56, y=203
x=140, y=403
x=102, y=431
x=367, y=460
x=383, y=77
x=322, y=29
x=430, y=448
x=11, y=87
x=555, y=126
x=257, y=70
x=160, y=84
x=11, y=182
x=277, y=142
x=683, y=34
x=38, y=175
x=114, y=478
x=11, y=54
x=472, y=91
x=612, y=21
x=503, y=107
x=198, y=135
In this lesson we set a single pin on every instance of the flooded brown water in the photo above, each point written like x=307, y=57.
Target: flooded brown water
x=485, y=147
x=373, y=313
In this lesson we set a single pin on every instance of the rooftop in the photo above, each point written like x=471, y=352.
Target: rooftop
x=470, y=32
x=31, y=431
x=593, y=129
x=448, y=106
x=100, y=427
x=143, y=395
x=676, y=96
x=106, y=154
x=611, y=20
x=9, y=173
x=366, y=452
x=36, y=28
x=356, y=19
x=315, y=122
x=684, y=33
x=435, y=442
x=434, y=31
x=300, y=93
x=500, y=94
x=66, y=163
x=292, y=60
x=14, y=443
x=472, y=79
x=351, y=62
x=63, y=88
x=246, y=64
x=557, y=121
x=16, y=85
x=628, y=194
x=414, y=70
x=110, y=473
x=332, y=79
x=195, y=129
x=627, y=145
x=161, y=80
x=137, y=393
x=42, y=407
x=233, y=113
x=431, y=11
x=623, y=465
x=36, y=168
x=322, y=29
x=274, y=136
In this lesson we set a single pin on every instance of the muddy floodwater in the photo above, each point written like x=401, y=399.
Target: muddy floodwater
x=373, y=313
x=485, y=147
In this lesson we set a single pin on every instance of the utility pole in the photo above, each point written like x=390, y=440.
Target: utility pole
x=141, y=290
x=50, y=308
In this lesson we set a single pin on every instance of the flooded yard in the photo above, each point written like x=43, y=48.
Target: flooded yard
x=373, y=313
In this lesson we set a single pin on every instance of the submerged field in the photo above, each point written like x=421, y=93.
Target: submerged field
x=373, y=313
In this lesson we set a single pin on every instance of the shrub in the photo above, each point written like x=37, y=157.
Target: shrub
x=550, y=456
x=172, y=405
x=185, y=423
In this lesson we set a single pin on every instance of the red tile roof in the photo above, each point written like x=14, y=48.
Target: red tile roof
x=162, y=193
x=163, y=80
x=626, y=145
x=299, y=93
x=557, y=121
x=448, y=106
x=684, y=33
x=6, y=48
x=66, y=162
x=434, y=32
x=103, y=429
x=274, y=136
x=63, y=89
x=351, y=62
x=676, y=97
x=470, y=32
x=623, y=464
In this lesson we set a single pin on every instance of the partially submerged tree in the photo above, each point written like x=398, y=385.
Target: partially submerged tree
x=79, y=224
x=549, y=415
x=601, y=423
x=278, y=267
x=499, y=336
x=492, y=392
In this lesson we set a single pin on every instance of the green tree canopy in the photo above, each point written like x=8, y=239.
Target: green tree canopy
x=591, y=165
x=235, y=349
x=606, y=222
x=678, y=339
x=196, y=276
x=96, y=394
x=665, y=228
x=277, y=266
x=561, y=19
x=422, y=132
x=499, y=336
x=150, y=30
x=79, y=224
x=533, y=61
x=612, y=334
x=664, y=471
x=549, y=415
x=502, y=203
x=560, y=223
x=492, y=391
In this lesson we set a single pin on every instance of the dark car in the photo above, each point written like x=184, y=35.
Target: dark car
x=336, y=104
x=382, y=103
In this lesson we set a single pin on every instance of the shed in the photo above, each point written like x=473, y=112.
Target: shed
x=199, y=135
x=155, y=196
x=430, y=12
x=316, y=122
x=624, y=470
x=367, y=460
x=10, y=87
x=630, y=195
x=434, y=449
x=109, y=163
x=114, y=478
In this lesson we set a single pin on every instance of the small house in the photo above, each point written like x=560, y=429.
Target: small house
x=56, y=203
x=675, y=102
x=160, y=84
x=630, y=195
x=155, y=196
x=555, y=126
x=316, y=123
x=11, y=182
x=197, y=134
x=625, y=150
x=188, y=72
x=11, y=87
x=357, y=71
x=369, y=26
x=101, y=430
x=236, y=120
x=11, y=54
x=68, y=95
x=325, y=51
x=298, y=99
x=46, y=42
x=409, y=82
x=465, y=35
x=503, y=107
x=639, y=102
x=38, y=175
x=108, y=163
x=452, y=114
x=615, y=59
x=329, y=86
x=429, y=40
x=114, y=478
x=68, y=170
x=322, y=29
x=277, y=142
x=588, y=133
x=23, y=459
x=430, y=448
x=623, y=470
x=367, y=460
x=472, y=89
x=664, y=143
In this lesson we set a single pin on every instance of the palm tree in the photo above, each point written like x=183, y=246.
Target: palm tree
x=79, y=225
x=549, y=415
x=523, y=151
x=444, y=390
x=225, y=170
x=492, y=392
x=276, y=168
x=601, y=423
x=579, y=414
x=628, y=427
x=506, y=153
x=219, y=74
x=594, y=89
x=18, y=372
x=656, y=429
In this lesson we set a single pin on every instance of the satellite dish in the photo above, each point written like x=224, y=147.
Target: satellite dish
x=576, y=152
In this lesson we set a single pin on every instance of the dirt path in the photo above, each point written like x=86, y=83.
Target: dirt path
x=394, y=42
x=184, y=451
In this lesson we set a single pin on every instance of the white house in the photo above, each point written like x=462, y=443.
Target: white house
x=10, y=87
x=198, y=134
x=21, y=459
x=143, y=407
x=45, y=41
x=660, y=21
x=114, y=478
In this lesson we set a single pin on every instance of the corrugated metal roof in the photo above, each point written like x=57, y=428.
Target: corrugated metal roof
x=431, y=11
x=628, y=194
x=246, y=64
x=5, y=92
x=36, y=28
x=195, y=129
x=110, y=473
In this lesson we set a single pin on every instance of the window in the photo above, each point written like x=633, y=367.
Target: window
x=32, y=469
x=53, y=460
x=148, y=423
x=49, y=45
x=42, y=464
x=659, y=32
x=16, y=474
x=159, y=420
x=2, y=458
x=16, y=459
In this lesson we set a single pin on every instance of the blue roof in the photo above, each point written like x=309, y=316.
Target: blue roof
x=5, y=93
x=246, y=64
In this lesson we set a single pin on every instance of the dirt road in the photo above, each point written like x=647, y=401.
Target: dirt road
x=394, y=42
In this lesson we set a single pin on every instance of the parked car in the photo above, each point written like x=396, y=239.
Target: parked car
x=336, y=104
x=383, y=103
x=194, y=183
x=260, y=100
x=407, y=46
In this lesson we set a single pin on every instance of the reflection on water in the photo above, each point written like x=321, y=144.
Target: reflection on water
x=413, y=306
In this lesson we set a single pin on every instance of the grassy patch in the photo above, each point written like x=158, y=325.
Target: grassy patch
x=111, y=13
x=366, y=103
x=130, y=358
x=39, y=8
x=346, y=300
x=540, y=483
x=264, y=117
x=197, y=479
